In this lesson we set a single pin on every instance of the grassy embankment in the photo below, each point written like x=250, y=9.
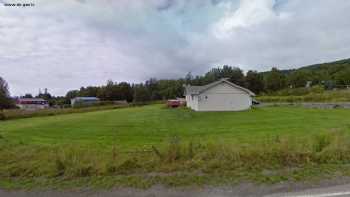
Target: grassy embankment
x=315, y=94
x=149, y=145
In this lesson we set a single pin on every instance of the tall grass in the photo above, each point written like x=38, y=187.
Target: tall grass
x=20, y=160
x=18, y=113
x=326, y=96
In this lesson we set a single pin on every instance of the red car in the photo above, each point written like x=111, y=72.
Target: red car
x=174, y=103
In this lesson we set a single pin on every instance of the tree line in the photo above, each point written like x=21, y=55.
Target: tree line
x=330, y=75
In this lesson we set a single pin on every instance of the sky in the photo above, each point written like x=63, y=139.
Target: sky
x=66, y=44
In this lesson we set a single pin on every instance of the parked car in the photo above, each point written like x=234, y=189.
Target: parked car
x=255, y=102
x=174, y=103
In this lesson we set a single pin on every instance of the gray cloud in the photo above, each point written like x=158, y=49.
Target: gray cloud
x=66, y=44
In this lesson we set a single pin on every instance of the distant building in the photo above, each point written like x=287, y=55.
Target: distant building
x=32, y=103
x=120, y=102
x=84, y=101
x=308, y=84
x=221, y=95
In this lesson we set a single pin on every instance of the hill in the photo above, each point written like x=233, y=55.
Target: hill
x=334, y=66
x=336, y=71
x=330, y=75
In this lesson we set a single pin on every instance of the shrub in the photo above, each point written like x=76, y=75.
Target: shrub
x=321, y=142
x=174, y=150
x=2, y=116
x=60, y=167
x=128, y=166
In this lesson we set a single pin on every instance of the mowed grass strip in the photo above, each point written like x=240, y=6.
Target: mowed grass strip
x=137, y=127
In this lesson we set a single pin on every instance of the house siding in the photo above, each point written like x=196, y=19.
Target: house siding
x=224, y=102
x=195, y=104
x=224, y=97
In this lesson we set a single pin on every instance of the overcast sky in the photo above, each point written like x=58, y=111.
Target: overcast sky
x=65, y=44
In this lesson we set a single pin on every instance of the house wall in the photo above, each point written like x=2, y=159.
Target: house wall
x=195, y=103
x=192, y=102
x=188, y=101
x=80, y=102
x=32, y=106
x=224, y=97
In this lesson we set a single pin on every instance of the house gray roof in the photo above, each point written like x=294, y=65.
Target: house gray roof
x=86, y=98
x=194, y=90
x=31, y=99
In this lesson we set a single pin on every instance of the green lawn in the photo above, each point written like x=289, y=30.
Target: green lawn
x=96, y=149
x=155, y=124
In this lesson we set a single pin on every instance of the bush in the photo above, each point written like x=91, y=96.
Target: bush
x=321, y=142
x=2, y=116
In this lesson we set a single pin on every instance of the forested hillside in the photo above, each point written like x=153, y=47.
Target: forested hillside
x=336, y=74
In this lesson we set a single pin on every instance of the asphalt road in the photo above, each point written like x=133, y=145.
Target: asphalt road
x=334, y=191
x=159, y=191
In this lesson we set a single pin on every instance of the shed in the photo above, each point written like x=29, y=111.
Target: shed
x=32, y=103
x=84, y=101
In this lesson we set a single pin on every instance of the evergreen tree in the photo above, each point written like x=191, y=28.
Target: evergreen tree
x=5, y=100
x=254, y=81
x=275, y=80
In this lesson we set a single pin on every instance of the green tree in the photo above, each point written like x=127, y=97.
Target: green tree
x=188, y=78
x=46, y=95
x=126, y=91
x=89, y=91
x=169, y=89
x=236, y=76
x=28, y=95
x=5, y=100
x=298, y=78
x=152, y=86
x=275, y=80
x=254, y=81
x=112, y=91
x=343, y=77
x=141, y=93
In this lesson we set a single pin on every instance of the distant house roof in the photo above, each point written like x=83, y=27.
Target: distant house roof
x=194, y=90
x=31, y=99
x=86, y=98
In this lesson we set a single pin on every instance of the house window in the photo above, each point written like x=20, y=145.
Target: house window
x=192, y=97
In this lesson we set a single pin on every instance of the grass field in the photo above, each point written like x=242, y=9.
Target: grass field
x=307, y=95
x=196, y=146
x=154, y=125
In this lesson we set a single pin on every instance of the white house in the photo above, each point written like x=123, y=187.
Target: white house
x=221, y=95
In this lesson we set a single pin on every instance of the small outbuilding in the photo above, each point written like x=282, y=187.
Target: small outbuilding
x=221, y=95
x=32, y=103
x=84, y=101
